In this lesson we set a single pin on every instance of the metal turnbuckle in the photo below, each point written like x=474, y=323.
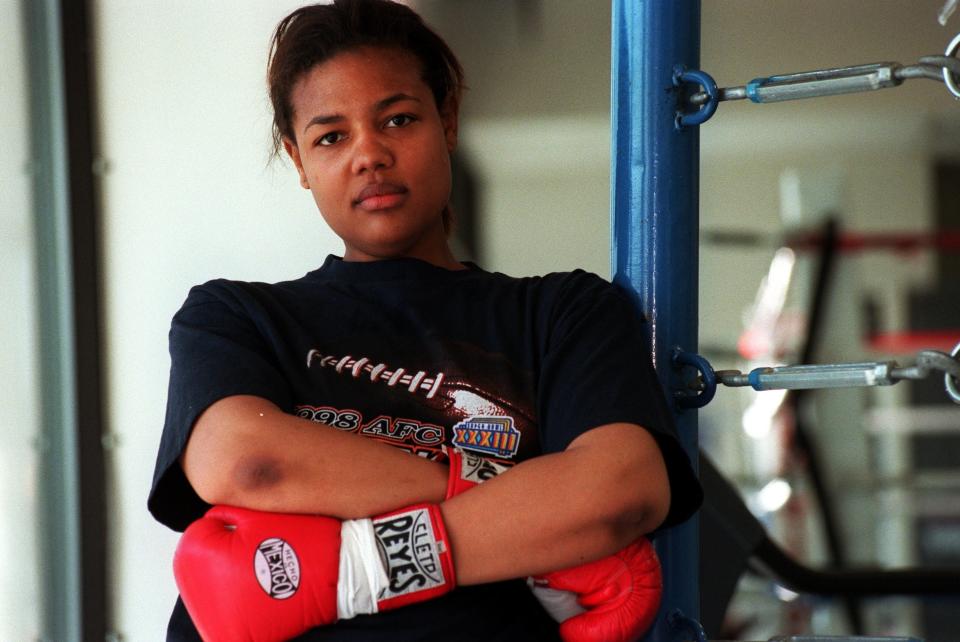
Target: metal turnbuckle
x=817, y=83
x=831, y=375
x=841, y=375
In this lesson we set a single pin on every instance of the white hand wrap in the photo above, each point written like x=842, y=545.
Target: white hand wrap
x=362, y=572
x=561, y=605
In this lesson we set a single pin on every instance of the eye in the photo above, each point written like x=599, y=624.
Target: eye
x=400, y=120
x=330, y=138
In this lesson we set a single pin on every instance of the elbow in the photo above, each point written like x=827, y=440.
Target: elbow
x=254, y=474
x=227, y=469
x=224, y=459
x=633, y=522
x=629, y=487
x=238, y=481
x=628, y=525
x=648, y=507
x=642, y=505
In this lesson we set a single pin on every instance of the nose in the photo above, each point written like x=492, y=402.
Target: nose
x=371, y=153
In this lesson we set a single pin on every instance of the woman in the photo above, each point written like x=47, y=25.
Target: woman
x=308, y=397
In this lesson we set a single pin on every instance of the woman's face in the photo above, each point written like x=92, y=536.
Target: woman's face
x=374, y=150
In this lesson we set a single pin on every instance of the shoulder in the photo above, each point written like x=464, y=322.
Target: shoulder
x=582, y=290
x=583, y=281
x=557, y=291
x=565, y=300
x=576, y=282
x=240, y=306
x=573, y=281
x=237, y=295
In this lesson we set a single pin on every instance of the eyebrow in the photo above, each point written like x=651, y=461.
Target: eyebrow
x=326, y=119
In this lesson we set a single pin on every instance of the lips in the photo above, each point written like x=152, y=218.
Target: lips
x=377, y=196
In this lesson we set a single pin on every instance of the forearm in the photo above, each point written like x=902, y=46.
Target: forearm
x=560, y=510
x=245, y=452
x=547, y=513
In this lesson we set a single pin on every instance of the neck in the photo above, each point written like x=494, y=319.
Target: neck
x=439, y=255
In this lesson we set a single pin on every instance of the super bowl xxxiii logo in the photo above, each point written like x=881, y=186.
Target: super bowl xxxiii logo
x=493, y=435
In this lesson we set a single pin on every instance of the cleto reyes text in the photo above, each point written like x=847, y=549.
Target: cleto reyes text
x=408, y=544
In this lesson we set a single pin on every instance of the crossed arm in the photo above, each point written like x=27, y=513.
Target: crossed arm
x=555, y=511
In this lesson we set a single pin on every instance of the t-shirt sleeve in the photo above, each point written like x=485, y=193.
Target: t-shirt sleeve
x=597, y=370
x=216, y=350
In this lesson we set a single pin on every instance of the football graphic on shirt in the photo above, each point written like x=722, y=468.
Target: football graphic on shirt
x=475, y=407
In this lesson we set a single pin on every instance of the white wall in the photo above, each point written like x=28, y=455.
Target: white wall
x=536, y=127
x=187, y=197
x=19, y=425
x=545, y=197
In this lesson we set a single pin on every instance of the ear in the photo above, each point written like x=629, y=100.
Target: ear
x=449, y=116
x=294, y=153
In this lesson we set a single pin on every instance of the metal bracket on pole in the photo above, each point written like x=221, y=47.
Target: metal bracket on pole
x=682, y=76
x=687, y=624
x=700, y=393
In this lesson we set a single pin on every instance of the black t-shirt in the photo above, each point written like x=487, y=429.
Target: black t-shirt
x=418, y=356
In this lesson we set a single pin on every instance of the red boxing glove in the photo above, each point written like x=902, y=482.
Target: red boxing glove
x=621, y=595
x=615, y=598
x=246, y=575
x=468, y=469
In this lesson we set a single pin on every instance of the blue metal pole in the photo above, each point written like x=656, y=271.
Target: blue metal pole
x=654, y=227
